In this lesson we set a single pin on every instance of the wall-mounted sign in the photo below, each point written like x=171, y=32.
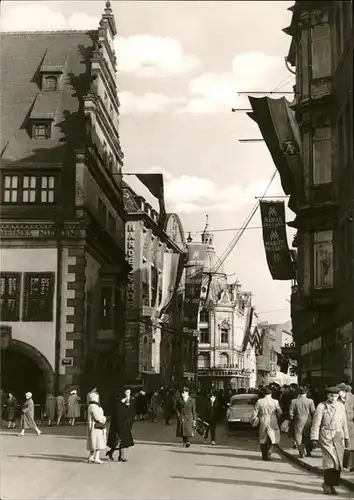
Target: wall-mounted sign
x=38, y=231
x=130, y=256
x=67, y=362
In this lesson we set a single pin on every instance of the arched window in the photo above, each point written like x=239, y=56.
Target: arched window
x=204, y=361
x=224, y=332
x=224, y=360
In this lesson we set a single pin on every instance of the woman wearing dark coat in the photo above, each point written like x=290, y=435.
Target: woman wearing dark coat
x=120, y=430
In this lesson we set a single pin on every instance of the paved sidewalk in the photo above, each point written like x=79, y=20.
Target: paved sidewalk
x=314, y=463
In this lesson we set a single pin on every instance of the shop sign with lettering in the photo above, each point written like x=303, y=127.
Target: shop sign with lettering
x=12, y=231
x=131, y=259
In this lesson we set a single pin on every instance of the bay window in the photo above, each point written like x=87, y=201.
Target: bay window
x=322, y=156
x=320, y=51
x=323, y=259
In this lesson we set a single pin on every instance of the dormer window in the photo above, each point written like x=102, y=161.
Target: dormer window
x=41, y=130
x=50, y=83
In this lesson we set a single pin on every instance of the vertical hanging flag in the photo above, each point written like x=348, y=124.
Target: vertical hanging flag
x=173, y=265
x=276, y=247
x=279, y=128
x=154, y=183
x=194, y=277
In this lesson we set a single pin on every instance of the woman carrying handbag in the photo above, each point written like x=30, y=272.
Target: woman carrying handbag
x=96, y=429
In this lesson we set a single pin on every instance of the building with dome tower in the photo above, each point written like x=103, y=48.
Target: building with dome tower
x=228, y=335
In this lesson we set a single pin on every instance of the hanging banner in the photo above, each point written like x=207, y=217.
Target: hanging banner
x=154, y=183
x=194, y=277
x=280, y=131
x=173, y=265
x=276, y=247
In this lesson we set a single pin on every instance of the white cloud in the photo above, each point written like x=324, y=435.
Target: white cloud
x=149, y=56
x=39, y=17
x=148, y=103
x=218, y=92
x=254, y=65
x=187, y=194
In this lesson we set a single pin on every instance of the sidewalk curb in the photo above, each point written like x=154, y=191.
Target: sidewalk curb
x=312, y=468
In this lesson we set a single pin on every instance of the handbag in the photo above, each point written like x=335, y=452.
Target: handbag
x=346, y=459
x=98, y=425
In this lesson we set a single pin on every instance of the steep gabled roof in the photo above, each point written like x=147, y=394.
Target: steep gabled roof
x=23, y=56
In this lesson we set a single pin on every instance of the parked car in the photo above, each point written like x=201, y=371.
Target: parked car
x=240, y=409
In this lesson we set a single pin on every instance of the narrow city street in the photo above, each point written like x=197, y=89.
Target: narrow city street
x=54, y=466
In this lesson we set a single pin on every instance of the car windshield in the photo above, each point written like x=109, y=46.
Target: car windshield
x=243, y=401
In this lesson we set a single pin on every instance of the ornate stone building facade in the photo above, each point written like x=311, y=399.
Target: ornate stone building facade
x=62, y=215
x=157, y=352
x=227, y=324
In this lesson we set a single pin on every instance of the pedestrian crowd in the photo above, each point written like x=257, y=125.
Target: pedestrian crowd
x=312, y=419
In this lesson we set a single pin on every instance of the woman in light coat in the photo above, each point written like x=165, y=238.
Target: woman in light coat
x=266, y=414
x=330, y=430
x=50, y=406
x=27, y=417
x=60, y=407
x=346, y=396
x=96, y=429
x=73, y=407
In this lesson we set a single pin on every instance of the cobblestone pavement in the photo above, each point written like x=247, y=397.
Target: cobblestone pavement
x=54, y=466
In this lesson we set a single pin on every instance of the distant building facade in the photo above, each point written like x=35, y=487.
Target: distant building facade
x=63, y=267
x=227, y=345
x=157, y=352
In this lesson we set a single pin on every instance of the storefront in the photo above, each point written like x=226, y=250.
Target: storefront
x=328, y=360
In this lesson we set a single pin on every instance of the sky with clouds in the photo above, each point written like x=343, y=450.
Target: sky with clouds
x=181, y=66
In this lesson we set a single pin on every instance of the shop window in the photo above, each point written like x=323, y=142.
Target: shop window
x=322, y=156
x=320, y=51
x=38, y=297
x=323, y=259
x=10, y=293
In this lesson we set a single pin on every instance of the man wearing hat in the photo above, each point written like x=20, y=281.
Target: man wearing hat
x=186, y=417
x=300, y=413
x=330, y=430
x=347, y=398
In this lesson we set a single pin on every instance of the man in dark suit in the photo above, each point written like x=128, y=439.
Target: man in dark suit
x=186, y=417
x=211, y=415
